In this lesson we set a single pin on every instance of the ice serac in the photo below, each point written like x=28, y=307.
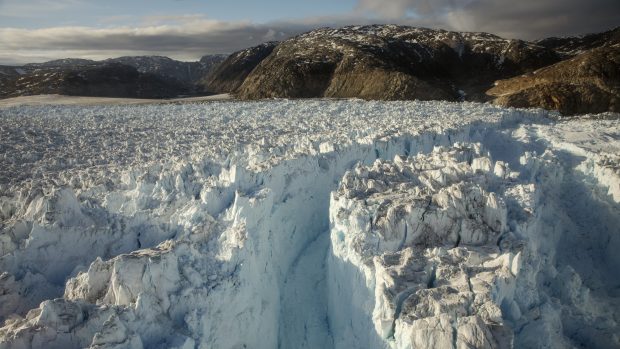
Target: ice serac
x=423, y=233
x=453, y=249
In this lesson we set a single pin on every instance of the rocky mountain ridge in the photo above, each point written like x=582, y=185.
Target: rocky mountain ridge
x=98, y=80
x=390, y=62
x=399, y=62
x=186, y=72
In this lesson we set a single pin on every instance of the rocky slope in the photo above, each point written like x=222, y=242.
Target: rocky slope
x=587, y=83
x=231, y=73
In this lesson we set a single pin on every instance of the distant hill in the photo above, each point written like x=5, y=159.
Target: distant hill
x=57, y=63
x=184, y=72
x=102, y=80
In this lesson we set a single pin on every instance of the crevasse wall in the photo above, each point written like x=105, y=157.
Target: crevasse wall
x=284, y=212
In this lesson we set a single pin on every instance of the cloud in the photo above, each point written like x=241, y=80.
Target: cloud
x=399, y=8
x=537, y=19
x=185, y=37
x=188, y=40
x=525, y=19
x=35, y=8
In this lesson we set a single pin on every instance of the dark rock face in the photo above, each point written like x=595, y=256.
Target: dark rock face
x=102, y=80
x=231, y=73
x=390, y=62
x=587, y=83
x=7, y=74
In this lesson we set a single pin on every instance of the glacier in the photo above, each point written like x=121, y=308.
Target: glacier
x=308, y=224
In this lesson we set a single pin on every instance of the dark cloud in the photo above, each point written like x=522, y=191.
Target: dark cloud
x=537, y=19
x=526, y=19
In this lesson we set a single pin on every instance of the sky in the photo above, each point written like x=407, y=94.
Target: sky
x=41, y=30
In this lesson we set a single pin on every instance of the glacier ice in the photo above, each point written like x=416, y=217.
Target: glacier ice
x=307, y=224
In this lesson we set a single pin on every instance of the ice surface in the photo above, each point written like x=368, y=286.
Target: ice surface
x=307, y=224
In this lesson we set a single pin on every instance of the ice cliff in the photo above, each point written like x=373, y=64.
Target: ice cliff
x=308, y=224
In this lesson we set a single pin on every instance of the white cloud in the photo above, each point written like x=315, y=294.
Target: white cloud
x=188, y=40
x=34, y=8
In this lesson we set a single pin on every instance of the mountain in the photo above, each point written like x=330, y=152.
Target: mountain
x=61, y=63
x=587, y=83
x=572, y=46
x=389, y=62
x=184, y=72
x=8, y=72
x=102, y=80
x=169, y=78
x=399, y=62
